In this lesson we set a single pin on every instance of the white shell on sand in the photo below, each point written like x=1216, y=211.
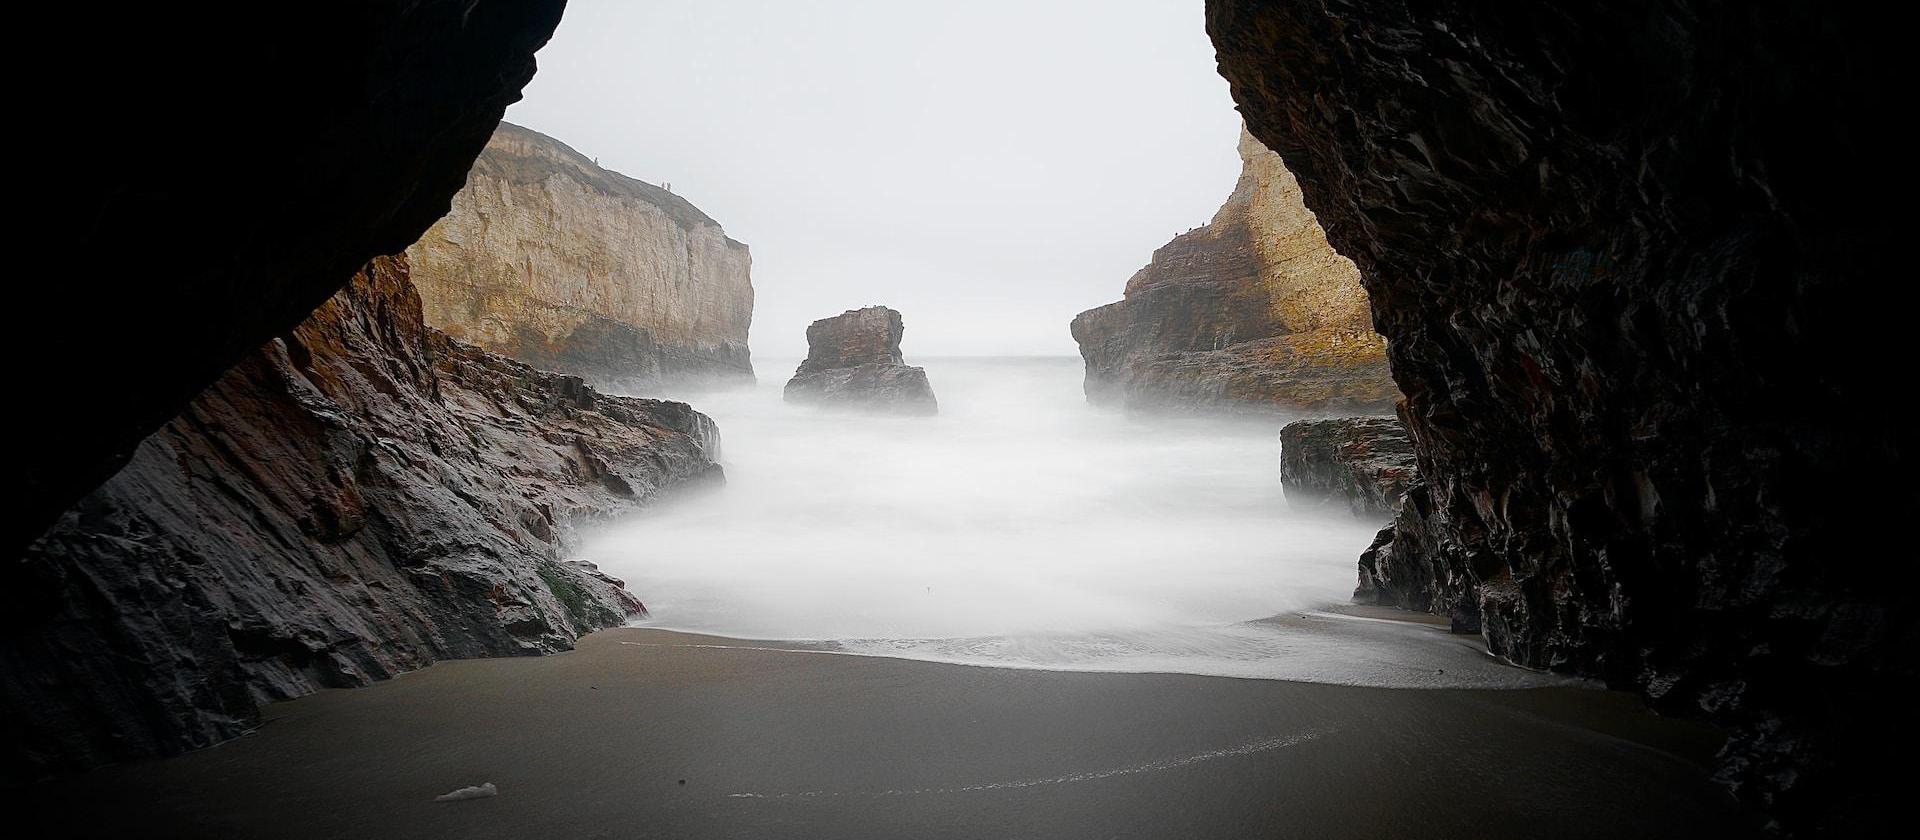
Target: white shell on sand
x=480, y=791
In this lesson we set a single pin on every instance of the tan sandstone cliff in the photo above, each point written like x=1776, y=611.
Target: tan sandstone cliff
x=552, y=260
x=1254, y=311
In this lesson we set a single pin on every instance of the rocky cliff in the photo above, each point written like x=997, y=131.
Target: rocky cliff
x=219, y=171
x=1254, y=312
x=357, y=498
x=1621, y=256
x=552, y=260
x=1363, y=464
x=854, y=360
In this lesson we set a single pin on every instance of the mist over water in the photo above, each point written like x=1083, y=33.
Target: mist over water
x=1021, y=527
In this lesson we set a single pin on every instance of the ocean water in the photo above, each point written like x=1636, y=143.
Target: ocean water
x=1020, y=528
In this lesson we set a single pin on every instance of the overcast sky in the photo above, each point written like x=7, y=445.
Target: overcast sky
x=988, y=168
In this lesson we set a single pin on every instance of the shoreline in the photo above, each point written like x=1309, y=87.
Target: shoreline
x=1416, y=643
x=596, y=743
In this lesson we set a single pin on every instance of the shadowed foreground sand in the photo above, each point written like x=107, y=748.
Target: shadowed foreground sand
x=793, y=744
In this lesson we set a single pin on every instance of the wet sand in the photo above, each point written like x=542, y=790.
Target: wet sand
x=788, y=743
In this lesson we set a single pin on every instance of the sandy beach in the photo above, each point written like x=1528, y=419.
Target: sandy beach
x=647, y=733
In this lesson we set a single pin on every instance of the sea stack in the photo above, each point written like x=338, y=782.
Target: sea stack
x=853, y=360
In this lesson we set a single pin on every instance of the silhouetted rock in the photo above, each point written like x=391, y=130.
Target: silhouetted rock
x=552, y=260
x=355, y=499
x=1253, y=312
x=1361, y=463
x=216, y=174
x=1628, y=259
x=853, y=360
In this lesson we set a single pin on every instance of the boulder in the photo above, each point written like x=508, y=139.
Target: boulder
x=1361, y=463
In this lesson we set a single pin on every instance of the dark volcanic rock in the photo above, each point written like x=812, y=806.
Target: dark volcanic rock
x=1363, y=463
x=218, y=171
x=1252, y=313
x=1622, y=254
x=853, y=359
x=359, y=497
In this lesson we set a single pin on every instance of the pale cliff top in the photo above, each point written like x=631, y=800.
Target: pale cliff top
x=521, y=155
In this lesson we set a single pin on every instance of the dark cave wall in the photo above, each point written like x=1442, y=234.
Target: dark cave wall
x=358, y=498
x=1621, y=254
x=209, y=173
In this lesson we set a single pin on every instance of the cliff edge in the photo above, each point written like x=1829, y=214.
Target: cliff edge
x=552, y=260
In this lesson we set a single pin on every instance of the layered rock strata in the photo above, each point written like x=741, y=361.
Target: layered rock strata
x=215, y=175
x=1253, y=312
x=853, y=360
x=1620, y=255
x=1363, y=464
x=552, y=260
x=357, y=498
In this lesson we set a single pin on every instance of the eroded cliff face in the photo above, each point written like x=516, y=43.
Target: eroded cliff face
x=1254, y=312
x=1620, y=255
x=357, y=498
x=215, y=175
x=552, y=260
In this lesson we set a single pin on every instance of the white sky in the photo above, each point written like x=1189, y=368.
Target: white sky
x=988, y=168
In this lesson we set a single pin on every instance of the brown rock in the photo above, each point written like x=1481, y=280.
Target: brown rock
x=552, y=260
x=358, y=498
x=1253, y=312
x=853, y=360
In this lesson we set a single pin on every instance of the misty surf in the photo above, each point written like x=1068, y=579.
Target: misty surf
x=1021, y=527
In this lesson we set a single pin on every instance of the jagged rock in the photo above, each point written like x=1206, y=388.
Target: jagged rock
x=355, y=499
x=216, y=174
x=552, y=260
x=853, y=359
x=1363, y=463
x=1628, y=260
x=1253, y=312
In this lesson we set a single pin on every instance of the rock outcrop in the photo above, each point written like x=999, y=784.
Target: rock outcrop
x=214, y=176
x=552, y=260
x=1623, y=257
x=853, y=360
x=357, y=498
x=1361, y=463
x=1253, y=312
